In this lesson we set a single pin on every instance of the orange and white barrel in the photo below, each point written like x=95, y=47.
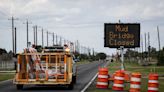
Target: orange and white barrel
x=135, y=82
x=153, y=82
x=118, y=84
x=102, y=81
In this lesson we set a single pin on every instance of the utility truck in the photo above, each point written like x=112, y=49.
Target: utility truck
x=53, y=66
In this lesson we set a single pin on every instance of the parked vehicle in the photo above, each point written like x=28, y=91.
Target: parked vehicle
x=53, y=66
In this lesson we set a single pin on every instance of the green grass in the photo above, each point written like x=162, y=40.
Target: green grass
x=6, y=76
x=133, y=67
x=82, y=62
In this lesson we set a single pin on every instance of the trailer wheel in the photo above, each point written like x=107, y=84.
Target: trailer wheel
x=71, y=86
x=19, y=86
x=74, y=79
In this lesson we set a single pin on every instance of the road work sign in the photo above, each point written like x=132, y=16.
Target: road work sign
x=122, y=34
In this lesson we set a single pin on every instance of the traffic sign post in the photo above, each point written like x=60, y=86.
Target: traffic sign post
x=122, y=35
x=122, y=57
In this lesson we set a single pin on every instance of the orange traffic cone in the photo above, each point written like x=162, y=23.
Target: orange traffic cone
x=135, y=82
x=102, y=81
x=118, y=84
x=153, y=82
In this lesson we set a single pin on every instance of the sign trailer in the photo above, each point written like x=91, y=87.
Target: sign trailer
x=122, y=35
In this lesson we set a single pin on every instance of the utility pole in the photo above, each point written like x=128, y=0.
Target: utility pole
x=27, y=23
x=13, y=33
x=142, y=46
x=47, y=38
x=145, y=48
x=158, y=38
x=42, y=38
x=53, y=38
x=60, y=41
x=145, y=43
x=36, y=29
x=149, y=46
x=56, y=39
x=34, y=34
x=15, y=41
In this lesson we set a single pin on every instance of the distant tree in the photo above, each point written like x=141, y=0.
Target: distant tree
x=101, y=56
x=83, y=56
x=2, y=51
x=161, y=57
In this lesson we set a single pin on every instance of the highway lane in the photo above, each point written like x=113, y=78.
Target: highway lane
x=84, y=75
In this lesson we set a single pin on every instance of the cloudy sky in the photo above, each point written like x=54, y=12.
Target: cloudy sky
x=81, y=20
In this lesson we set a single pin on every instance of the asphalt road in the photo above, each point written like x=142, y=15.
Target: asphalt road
x=84, y=75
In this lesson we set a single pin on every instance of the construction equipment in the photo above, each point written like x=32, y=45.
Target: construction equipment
x=54, y=66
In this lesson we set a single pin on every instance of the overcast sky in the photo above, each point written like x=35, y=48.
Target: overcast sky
x=81, y=20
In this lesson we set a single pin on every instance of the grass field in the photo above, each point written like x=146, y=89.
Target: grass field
x=133, y=67
x=6, y=76
x=82, y=62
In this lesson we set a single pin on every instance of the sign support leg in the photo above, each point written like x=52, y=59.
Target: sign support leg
x=122, y=57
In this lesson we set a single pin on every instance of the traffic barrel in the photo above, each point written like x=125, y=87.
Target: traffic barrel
x=102, y=81
x=153, y=82
x=135, y=82
x=118, y=84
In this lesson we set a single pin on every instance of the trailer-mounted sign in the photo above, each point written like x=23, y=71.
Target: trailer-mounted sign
x=122, y=34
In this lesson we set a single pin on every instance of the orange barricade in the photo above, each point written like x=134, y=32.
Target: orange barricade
x=118, y=84
x=102, y=81
x=135, y=82
x=153, y=82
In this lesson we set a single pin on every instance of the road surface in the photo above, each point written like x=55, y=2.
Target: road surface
x=85, y=74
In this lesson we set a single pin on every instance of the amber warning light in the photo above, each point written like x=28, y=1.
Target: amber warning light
x=122, y=34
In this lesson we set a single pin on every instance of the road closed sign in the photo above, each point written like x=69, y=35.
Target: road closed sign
x=121, y=34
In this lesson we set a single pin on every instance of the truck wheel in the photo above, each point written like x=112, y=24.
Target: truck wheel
x=74, y=79
x=71, y=86
x=19, y=86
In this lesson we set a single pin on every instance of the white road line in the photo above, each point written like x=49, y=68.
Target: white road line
x=85, y=88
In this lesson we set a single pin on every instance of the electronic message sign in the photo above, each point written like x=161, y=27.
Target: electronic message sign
x=121, y=34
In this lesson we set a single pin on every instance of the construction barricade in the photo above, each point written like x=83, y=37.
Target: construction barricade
x=102, y=81
x=135, y=82
x=153, y=82
x=118, y=82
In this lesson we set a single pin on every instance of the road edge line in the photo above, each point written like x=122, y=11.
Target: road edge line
x=85, y=88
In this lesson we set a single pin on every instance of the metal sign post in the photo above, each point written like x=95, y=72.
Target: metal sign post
x=122, y=57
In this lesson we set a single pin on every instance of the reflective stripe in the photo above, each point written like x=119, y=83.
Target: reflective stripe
x=28, y=67
x=151, y=88
x=119, y=78
x=18, y=67
x=65, y=67
x=153, y=81
x=46, y=66
x=134, y=86
x=56, y=68
x=102, y=83
x=135, y=79
x=118, y=85
x=102, y=76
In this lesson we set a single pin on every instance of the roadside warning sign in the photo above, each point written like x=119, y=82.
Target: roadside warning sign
x=121, y=34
